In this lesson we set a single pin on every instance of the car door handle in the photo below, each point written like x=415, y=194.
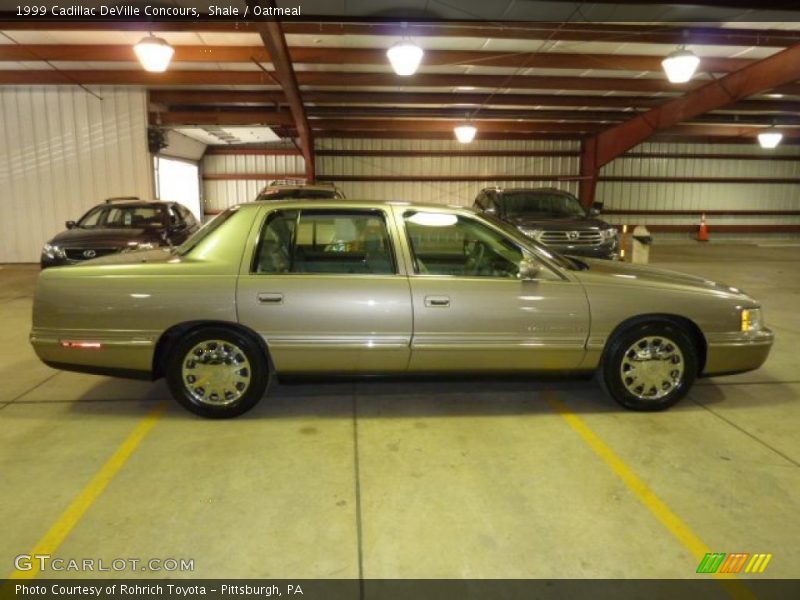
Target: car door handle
x=268, y=298
x=437, y=301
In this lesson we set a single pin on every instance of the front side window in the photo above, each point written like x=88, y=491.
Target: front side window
x=325, y=241
x=92, y=218
x=447, y=244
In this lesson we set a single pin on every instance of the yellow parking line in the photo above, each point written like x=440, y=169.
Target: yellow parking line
x=676, y=526
x=83, y=501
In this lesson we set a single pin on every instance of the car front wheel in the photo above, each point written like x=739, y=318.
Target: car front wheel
x=217, y=373
x=649, y=367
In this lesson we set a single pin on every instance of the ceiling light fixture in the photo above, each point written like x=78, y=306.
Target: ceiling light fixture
x=154, y=53
x=680, y=65
x=465, y=132
x=405, y=57
x=770, y=138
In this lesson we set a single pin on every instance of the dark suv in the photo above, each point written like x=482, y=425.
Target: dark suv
x=119, y=224
x=554, y=218
x=290, y=189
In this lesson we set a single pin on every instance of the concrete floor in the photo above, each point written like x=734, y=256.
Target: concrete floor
x=426, y=479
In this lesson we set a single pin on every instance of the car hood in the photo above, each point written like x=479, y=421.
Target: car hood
x=558, y=224
x=105, y=238
x=621, y=272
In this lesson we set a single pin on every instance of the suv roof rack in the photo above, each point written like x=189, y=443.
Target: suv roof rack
x=275, y=182
x=122, y=199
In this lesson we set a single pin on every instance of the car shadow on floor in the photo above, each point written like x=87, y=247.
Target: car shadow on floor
x=420, y=397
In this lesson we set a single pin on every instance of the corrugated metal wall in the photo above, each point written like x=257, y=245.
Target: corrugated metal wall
x=62, y=150
x=504, y=170
x=677, y=195
x=222, y=193
x=397, y=169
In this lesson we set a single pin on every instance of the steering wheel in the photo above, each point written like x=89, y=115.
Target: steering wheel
x=475, y=253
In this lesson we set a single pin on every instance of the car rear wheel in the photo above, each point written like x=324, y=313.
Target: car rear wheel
x=649, y=367
x=217, y=373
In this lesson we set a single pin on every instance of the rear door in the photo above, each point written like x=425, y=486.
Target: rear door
x=325, y=291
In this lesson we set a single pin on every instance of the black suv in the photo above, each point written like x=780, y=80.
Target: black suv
x=291, y=189
x=119, y=224
x=552, y=217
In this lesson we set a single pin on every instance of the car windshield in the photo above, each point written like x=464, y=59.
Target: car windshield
x=541, y=204
x=123, y=217
x=202, y=233
x=565, y=262
x=297, y=193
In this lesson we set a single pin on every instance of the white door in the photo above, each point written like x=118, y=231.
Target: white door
x=179, y=181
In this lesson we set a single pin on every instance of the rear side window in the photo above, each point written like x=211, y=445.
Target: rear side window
x=323, y=242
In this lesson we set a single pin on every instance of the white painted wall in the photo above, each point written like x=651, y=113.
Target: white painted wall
x=704, y=196
x=629, y=195
x=490, y=168
x=63, y=150
x=220, y=194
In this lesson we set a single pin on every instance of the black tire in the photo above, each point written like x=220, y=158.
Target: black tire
x=620, y=355
x=234, y=349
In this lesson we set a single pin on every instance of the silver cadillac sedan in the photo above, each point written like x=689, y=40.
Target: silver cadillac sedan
x=370, y=288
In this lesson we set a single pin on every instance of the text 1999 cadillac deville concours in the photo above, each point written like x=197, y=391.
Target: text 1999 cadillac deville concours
x=347, y=287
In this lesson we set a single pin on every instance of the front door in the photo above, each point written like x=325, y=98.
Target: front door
x=323, y=289
x=472, y=311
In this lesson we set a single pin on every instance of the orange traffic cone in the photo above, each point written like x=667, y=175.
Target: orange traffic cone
x=702, y=233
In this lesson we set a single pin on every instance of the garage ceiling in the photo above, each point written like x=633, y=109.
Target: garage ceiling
x=515, y=80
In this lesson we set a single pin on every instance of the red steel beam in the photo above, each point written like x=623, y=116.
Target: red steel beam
x=588, y=181
x=275, y=42
x=772, y=72
x=360, y=56
x=418, y=125
x=577, y=31
x=200, y=97
x=372, y=99
x=347, y=79
x=223, y=99
x=214, y=117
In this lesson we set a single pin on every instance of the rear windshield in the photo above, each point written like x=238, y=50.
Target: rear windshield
x=542, y=204
x=207, y=229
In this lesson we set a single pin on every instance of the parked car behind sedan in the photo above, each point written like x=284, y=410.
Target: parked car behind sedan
x=554, y=218
x=376, y=288
x=119, y=224
x=290, y=189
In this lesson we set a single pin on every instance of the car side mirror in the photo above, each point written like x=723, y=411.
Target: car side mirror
x=71, y=224
x=593, y=212
x=529, y=269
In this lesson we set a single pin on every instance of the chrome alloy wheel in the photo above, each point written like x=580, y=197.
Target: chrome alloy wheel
x=652, y=367
x=216, y=372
